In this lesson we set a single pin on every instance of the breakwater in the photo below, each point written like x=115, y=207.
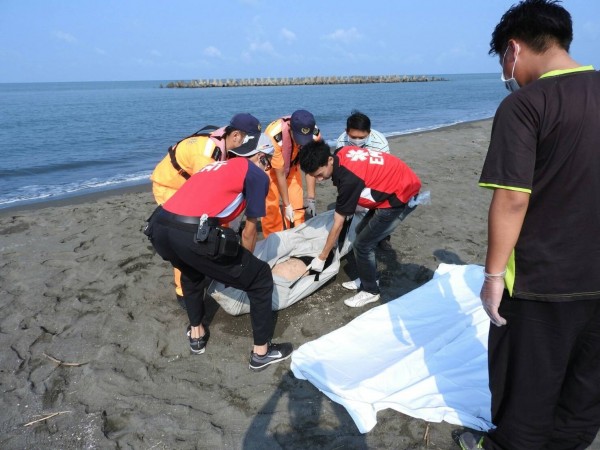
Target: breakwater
x=301, y=81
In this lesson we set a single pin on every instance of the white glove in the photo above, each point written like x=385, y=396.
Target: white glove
x=317, y=264
x=491, y=297
x=311, y=206
x=289, y=213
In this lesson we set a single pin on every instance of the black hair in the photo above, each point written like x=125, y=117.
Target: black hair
x=313, y=155
x=358, y=121
x=538, y=23
x=228, y=130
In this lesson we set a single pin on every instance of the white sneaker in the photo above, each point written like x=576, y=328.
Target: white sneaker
x=361, y=299
x=353, y=285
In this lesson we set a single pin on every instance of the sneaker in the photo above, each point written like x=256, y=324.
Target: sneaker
x=197, y=345
x=361, y=299
x=385, y=245
x=470, y=441
x=353, y=285
x=275, y=354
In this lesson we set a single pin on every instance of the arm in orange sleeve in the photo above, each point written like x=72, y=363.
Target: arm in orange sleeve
x=277, y=166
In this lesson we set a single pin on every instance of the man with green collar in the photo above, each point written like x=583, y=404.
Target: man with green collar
x=542, y=270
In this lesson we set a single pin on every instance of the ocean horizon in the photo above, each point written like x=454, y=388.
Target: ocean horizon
x=64, y=139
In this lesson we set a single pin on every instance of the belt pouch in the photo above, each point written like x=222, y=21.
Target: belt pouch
x=212, y=242
x=229, y=242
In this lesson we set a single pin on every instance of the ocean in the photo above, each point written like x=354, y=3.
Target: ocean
x=65, y=139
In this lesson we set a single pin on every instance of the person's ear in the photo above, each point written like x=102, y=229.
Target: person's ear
x=514, y=49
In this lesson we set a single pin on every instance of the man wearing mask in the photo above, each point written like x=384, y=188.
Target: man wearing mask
x=542, y=272
x=288, y=134
x=192, y=153
x=187, y=231
x=359, y=133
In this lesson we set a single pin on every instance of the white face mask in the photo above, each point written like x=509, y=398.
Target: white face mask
x=511, y=83
x=357, y=142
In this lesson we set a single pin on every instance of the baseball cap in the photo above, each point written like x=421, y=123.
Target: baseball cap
x=251, y=126
x=263, y=144
x=303, y=126
x=245, y=122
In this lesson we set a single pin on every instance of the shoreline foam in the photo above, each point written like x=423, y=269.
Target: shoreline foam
x=80, y=197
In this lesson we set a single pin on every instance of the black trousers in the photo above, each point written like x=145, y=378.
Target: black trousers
x=544, y=368
x=174, y=242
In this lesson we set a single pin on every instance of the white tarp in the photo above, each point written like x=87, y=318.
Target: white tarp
x=423, y=354
x=307, y=239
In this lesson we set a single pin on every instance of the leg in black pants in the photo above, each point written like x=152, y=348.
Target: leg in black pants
x=544, y=369
x=244, y=272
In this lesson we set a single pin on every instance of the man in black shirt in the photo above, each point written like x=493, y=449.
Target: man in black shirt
x=542, y=272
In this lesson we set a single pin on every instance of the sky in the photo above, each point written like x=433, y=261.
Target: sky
x=114, y=40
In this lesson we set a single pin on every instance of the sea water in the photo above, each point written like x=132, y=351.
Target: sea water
x=64, y=139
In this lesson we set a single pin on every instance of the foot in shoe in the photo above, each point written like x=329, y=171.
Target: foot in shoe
x=385, y=245
x=470, y=441
x=353, y=285
x=275, y=353
x=197, y=345
x=361, y=299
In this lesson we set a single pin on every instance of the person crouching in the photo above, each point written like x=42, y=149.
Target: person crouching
x=187, y=231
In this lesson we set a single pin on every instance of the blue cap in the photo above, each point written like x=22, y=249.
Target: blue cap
x=303, y=126
x=245, y=122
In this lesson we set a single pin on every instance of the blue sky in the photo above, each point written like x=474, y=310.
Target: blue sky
x=104, y=40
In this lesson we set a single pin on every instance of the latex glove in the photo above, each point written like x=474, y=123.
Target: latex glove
x=289, y=213
x=311, y=206
x=317, y=264
x=491, y=296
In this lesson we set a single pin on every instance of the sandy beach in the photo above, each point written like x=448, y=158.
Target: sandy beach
x=91, y=333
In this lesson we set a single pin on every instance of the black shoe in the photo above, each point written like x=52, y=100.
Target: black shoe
x=275, y=353
x=181, y=301
x=385, y=245
x=197, y=345
x=471, y=440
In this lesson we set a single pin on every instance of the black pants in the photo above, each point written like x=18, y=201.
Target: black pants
x=544, y=370
x=174, y=242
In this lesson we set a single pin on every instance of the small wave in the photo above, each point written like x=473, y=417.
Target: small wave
x=51, y=168
x=36, y=193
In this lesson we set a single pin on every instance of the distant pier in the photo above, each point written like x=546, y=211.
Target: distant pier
x=301, y=81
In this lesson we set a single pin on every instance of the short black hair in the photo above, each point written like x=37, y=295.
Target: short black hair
x=358, y=121
x=313, y=155
x=538, y=23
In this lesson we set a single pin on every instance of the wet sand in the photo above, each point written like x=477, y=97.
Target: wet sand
x=90, y=329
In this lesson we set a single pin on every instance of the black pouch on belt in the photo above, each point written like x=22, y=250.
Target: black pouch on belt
x=229, y=242
x=204, y=229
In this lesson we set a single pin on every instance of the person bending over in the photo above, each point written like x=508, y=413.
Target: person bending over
x=187, y=232
x=379, y=182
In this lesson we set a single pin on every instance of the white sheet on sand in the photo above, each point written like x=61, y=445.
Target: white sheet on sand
x=423, y=354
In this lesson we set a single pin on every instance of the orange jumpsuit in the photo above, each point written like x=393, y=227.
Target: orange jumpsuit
x=281, y=136
x=192, y=154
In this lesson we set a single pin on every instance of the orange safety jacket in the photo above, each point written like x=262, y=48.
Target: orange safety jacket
x=189, y=155
x=286, y=151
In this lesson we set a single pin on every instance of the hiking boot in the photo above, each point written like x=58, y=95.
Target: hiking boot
x=353, y=285
x=361, y=299
x=197, y=345
x=470, y=441
x=275, y=353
